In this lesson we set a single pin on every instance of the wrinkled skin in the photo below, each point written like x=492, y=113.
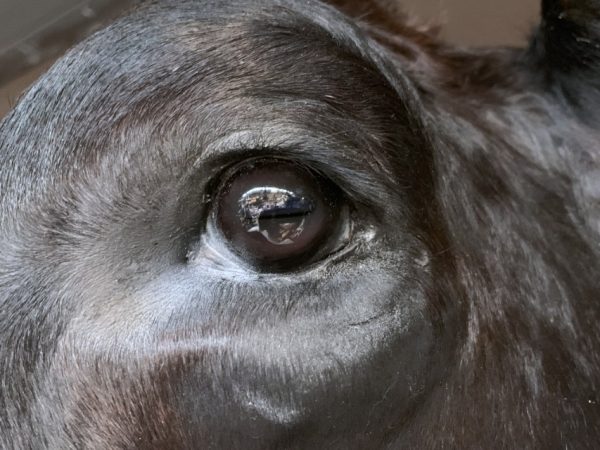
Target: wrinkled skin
x=462, y=313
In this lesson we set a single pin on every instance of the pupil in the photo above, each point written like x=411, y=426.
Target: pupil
x=279, y=215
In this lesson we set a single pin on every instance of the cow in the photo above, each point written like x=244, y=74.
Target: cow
x=295, y=224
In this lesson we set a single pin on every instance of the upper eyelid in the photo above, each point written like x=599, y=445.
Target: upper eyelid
x=298, y=144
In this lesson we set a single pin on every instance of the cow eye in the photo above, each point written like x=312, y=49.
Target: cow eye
x=278, y=215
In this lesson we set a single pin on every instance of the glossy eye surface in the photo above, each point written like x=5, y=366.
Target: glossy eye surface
x=278, y=215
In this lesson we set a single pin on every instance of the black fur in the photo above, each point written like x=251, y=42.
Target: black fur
x=464, y=314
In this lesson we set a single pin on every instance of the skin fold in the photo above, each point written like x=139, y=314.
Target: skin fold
x=457, y=306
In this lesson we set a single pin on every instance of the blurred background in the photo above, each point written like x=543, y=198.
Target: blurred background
x=33, y=33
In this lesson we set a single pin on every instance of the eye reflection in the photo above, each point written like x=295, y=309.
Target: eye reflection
x=279, y=215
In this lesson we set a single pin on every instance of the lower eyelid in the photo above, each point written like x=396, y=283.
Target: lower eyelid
x=211, y=255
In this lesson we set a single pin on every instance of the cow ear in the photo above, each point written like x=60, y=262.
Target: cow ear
x=386, y=14
x=386, y=21
x=568, y=39
x=355, y=7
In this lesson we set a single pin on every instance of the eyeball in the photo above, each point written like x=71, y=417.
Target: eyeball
x=278, y=215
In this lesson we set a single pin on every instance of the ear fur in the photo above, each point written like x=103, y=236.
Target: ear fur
x=358, y=7
x=386, y=22
x=385, y=14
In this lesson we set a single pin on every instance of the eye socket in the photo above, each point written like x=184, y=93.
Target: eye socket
x=278, y=215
